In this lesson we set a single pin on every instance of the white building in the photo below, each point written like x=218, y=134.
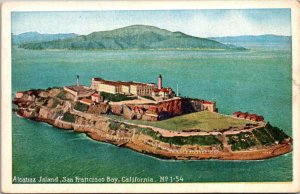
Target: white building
x=132, y=88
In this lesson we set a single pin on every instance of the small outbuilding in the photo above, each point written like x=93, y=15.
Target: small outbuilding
x=237, y=114
x=97, y=98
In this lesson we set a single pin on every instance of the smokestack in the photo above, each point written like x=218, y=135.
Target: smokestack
x=159, y=84
x=77, y=80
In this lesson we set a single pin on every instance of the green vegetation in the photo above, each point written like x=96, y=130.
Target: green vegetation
x=205, y=120
x=114, y=125
x=81, y=107
x=51, y=103
x=68, y=117
x=179, y=140
x=263, y=136
x=148, y=131
x=148, y=97
x=132, y=37
x=62, y=95
x=116, y=97
x=241, y=141
x=277, y=133
x=191, y=140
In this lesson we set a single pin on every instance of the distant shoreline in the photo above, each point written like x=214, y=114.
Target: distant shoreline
x=162, y=49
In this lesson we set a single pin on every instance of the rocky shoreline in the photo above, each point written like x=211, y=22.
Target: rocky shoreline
x=44, y=106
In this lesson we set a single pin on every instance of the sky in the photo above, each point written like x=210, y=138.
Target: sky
x=200, y=23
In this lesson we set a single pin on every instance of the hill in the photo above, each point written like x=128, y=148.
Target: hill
x=31, y=37
x=132, y=37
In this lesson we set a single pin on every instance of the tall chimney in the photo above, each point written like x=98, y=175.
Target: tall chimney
x=159, y=84
x=77, y=80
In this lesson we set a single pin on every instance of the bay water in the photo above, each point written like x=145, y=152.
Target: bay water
x=257, y=81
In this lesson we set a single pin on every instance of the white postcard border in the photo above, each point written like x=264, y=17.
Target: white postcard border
x=6, y=120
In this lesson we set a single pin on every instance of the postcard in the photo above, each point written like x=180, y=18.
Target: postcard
x=148, y=96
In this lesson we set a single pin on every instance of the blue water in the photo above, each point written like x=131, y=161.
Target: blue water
x=257, y=81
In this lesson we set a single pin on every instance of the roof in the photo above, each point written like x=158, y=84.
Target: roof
x=85, y=100
x=96, y=95
x=256, y=116
x=97, y=79
x=243, y=115
x=79, y=89
x=116, y=83
x=207, y=102
x=238, y=112
x=120, y=83
x=161, y=90
x=248, y=115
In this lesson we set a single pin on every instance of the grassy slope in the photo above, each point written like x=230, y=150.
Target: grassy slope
x=204, y=120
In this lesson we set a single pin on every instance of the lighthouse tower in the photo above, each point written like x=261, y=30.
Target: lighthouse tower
x=159, y=84
x=77, y=80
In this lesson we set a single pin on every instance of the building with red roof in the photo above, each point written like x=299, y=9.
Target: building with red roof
x=97, y=98
x=208, y=105
x=246, y=115
x=86, y=101
x=243, y=115
x=236, y=114
x=257, y=118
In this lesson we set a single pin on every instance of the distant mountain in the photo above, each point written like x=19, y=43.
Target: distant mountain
x=31, y=37
x=267, y=38
x=132, y=37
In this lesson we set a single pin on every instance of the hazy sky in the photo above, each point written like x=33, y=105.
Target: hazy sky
x=202, y=23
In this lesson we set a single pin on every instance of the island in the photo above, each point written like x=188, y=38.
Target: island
x=134, y=37
x=155, y=120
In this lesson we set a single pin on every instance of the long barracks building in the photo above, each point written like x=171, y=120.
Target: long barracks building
x=132, y=88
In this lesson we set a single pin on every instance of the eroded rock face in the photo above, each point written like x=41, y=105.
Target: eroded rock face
x=44, y=94
x=116, y=109
x=98, y=109
x=50, y=114
x=127, y=112
x=102, y=125
x=172, y=107
x=44, y=113
x=63, y=125
x=25, y=113
x=66, y=106
x=54, y=92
